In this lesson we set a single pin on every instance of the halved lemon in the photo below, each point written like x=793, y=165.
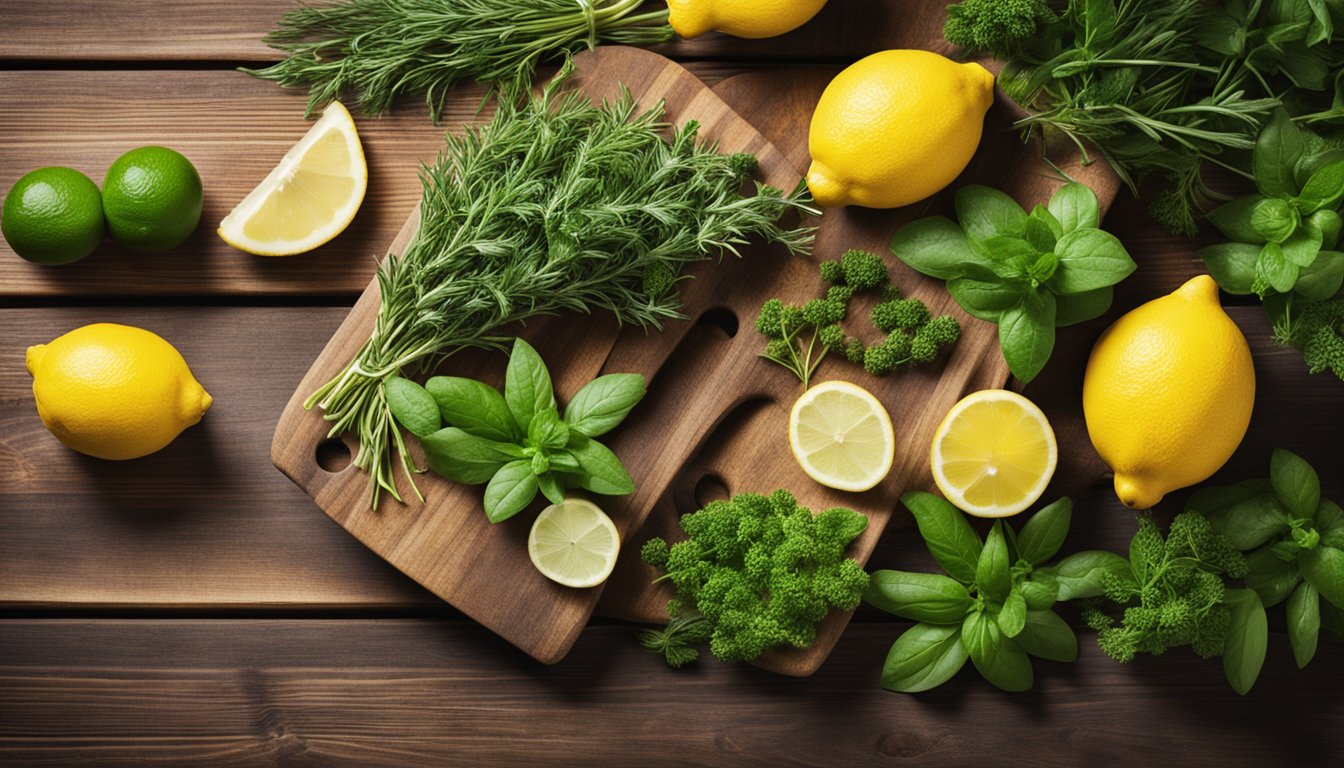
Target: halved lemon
x=842, y=436
x=994, y=454
x=574, y=543
x=309, y=198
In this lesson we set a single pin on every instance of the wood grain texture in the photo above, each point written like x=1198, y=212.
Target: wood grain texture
x=421, y=693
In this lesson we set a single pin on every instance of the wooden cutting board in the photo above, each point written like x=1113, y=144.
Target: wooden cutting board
x=714, y=409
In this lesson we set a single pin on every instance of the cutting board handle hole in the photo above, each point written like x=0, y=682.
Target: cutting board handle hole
x=333, y=455
x=721, y=317
x=710, y=488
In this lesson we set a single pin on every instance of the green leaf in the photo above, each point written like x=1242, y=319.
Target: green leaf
x=1274, y=219
x=1040, y=591
x=1271, y=577
x=1008, y=256
x=1302, y=246
x=923, y=657
x=1247, y=639
x=935, y=246
x=1275, y=269
x=1043, y=231
x=1304, y=623
x=527, y=385
x=1090, y=259
x=412, y=406
x=1221, y=33
x=1329, y=517
x=599, y=469
x=1027, y=334
x=1013, y=615
x=1250, y=522
x=1295, y=483
x=1075, y=308
x=1081, y=574
x=1323, y=567
x=998, y=659
x=465, y=458
x=1233, y=219
x=1214, y=497
x=550, y=486
x=985, y=212
x=947, y=533
x=510, y=491
x=1332, y=622
x=928, y=597
x=1329, y=223
x=993, y=575
x=1099, y=22
x=547, y=432
x=1044, y=533
x=1232, y=265
x=1324, y=188
x=1075, y=207
x=604, y=402
x=1047, y=636
x=1277, y=150
x=474, y=407
x=985, y=300
x=1323, y=279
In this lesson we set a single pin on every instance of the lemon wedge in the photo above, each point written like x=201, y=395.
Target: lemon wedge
x=842, y=436
x=994, y=454
x=574, y=543
x=309, y=198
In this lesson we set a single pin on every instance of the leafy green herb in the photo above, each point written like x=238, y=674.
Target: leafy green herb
x=555, y=205
x=1027, y=272
x=993, y=607
x=677, y=642
x=379, y=50
x=516, y=442
x=762, y=572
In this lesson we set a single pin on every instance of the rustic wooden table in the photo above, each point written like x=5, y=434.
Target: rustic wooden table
x=194, y=607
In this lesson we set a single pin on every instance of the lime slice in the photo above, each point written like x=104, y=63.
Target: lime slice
x=842, y=436
x=574, y=543
x=994, y=454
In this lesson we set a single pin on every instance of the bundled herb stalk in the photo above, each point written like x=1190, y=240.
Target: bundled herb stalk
x=557, y=204
x=381, y=49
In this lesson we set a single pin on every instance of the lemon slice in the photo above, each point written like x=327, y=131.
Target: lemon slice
x=842, y=436
x=309, y=198
x=574, y=543
x=993, y=454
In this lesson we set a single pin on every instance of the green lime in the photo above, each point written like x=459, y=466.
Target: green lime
x=53, y=216
x=152, y=199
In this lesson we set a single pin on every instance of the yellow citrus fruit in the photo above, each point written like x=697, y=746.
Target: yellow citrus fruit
x=842, y=436
x=994, y=453
x=309, y=198
x=740, y=18
x=574, y=543
x=895, y=128
x=1168, y=393
x=113, y=391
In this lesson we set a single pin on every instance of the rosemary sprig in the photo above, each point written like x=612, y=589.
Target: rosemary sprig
x=381, y=49
x=555, y=205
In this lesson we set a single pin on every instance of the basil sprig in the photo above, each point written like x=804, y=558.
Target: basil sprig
x=517, y=442
x=1027, y=272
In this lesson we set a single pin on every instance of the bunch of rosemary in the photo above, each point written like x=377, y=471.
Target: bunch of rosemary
x=557, y=204
x=381, y=49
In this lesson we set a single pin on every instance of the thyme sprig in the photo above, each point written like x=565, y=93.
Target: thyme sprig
x=555, y=205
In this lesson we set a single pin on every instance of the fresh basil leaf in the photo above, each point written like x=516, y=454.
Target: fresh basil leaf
x=1304, y=623
x=547, y=432
x=1329, y=517
x=1008, y=256
x=1277, y=150
x=1042, y=230
x=412, y=406
x=1271, y=577
x=1306, y=537
x=1250, y=522
x=1304, y=68
x=1047, y=636
x=1323, y=190
x=1232, y=265
x=1044, y=533
x=935, y=246
x=1295, y=482
x=982, y=299
x=1275, y=269
x=1233, y=219
x=1214, y=497
x=1075, y=308
x=985, y=212
x=1075, y=207
x=1043, y=269
x=1302, y=246
x=1027, y=334
x=564, y=461
x=510, y=491
x=947, y=534
x=550, y=486
x=1329, y=223
x=604, y=402
x=474, y=407
x=1040, y=591
x=1322, y=25
x=1246, y=641
x=527, y=385
x=465, y=458
x=1274, y=219
x=1221, y=33
x=1323, y=567
x=1013, y=615
x=993, y=575
x=998, y=659
x=1323, y=279
x=929, y=597
x=1099, y=22
x=923, y=657
x=1083, y=574
x=1090, y=259
x=599, y=469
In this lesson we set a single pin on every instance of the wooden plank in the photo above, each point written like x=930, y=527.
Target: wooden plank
x=419, y=693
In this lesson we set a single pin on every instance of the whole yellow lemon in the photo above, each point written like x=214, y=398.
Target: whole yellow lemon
x=1168, y=393
x=740, y=18
x=895, y=128
x=113, y=391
